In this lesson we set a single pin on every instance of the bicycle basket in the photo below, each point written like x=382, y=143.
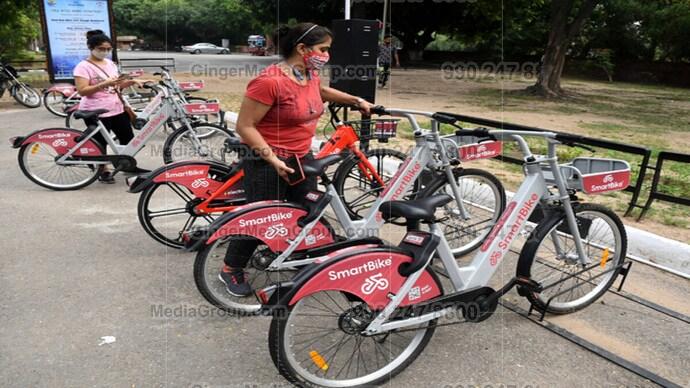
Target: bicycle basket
x=379, y=129
x=475, y=148
x=191, y=86
x=593, y=175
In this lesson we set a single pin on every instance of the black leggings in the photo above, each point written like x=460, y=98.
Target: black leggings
x=261, y=183
x=118, y=124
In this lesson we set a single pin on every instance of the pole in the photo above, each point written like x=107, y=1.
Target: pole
x=347, y=9
x=385, y=16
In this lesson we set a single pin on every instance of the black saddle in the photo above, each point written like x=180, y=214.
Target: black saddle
x=317, y=167
x=421, y=209
x=89, y=114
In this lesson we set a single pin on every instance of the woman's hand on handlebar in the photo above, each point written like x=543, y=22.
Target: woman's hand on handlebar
x=365, y=107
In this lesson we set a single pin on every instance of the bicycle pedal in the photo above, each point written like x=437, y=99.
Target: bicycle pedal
x=526, y=286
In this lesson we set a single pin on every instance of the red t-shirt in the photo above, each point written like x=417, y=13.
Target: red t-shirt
x=289, y=126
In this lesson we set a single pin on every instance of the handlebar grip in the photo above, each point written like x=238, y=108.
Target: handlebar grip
x=478, y=132
x=158, y=74
x=444, y=118
x=379, y=110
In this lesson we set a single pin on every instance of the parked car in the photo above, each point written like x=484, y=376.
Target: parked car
x=206, y=48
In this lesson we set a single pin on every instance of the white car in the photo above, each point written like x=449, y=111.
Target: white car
x=206, y=48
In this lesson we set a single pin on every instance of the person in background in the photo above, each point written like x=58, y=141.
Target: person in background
x=277, y=120
x=387, y=52
x=97, y=80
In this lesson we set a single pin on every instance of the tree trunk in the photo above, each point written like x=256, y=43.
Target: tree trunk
x=561, y=35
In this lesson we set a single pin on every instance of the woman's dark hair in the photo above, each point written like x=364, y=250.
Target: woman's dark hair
x=93, y=32
x=96, y=40
x=285, y=38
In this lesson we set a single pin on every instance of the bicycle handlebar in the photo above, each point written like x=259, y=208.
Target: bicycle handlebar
x=478, y=132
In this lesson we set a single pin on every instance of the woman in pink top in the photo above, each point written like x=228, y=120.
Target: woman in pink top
x=96, y=79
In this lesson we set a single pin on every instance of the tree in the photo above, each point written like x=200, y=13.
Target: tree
x=173, y=22
x=567, y=19
x=19, y=23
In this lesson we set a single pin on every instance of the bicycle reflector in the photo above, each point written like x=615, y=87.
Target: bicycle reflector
x=604, y=258
x=264, y=294
x=318, y=360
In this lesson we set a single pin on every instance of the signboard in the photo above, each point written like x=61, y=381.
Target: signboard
x=65, y=23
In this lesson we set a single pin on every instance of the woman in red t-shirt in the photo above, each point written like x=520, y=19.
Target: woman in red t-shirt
x=277, y=120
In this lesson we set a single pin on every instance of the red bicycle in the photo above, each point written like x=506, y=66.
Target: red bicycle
x=180, y=197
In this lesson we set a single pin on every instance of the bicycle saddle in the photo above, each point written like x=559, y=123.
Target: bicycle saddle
x=421, y=209
x=89, y=114
x=318, y=166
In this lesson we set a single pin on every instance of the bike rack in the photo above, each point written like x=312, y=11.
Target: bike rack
x=654, y=192
x=624, y=271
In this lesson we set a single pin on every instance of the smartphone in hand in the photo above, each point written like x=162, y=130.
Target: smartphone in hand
x=297, y=175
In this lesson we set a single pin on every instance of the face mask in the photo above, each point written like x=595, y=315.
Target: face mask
x=100, y=54
x=315, y=61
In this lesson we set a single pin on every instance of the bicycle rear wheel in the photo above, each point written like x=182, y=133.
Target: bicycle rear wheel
x=318, y=342
x=550, y=258
x=37, y=162
x=208, y=264
x=164, y=212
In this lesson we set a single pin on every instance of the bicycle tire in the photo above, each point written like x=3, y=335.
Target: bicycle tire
x=49, y=107
x=32, y=91
x=277, y=344
x=530, y=251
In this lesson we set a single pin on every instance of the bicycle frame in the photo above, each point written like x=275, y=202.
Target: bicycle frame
x=161, y=108
x=532, y=192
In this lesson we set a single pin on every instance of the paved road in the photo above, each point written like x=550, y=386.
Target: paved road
x=77, y=266
x=200, y=64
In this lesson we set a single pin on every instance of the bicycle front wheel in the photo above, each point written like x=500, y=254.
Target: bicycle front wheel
x=355, y=183
x=483, y=200
x=54, y=101
x=551, y=259
x=26, y=95
x=186, y=144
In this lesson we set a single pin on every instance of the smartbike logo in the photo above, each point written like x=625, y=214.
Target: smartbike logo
x=201, y=182
x=504, y=244
x=277, y=217
x=369, y=266
x=54, y=135
x=184, y=174
x=373, y=283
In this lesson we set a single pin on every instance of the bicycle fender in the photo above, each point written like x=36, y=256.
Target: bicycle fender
x=370, y=276
x=272, y=222
x=61, y=140
x=199, y=177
